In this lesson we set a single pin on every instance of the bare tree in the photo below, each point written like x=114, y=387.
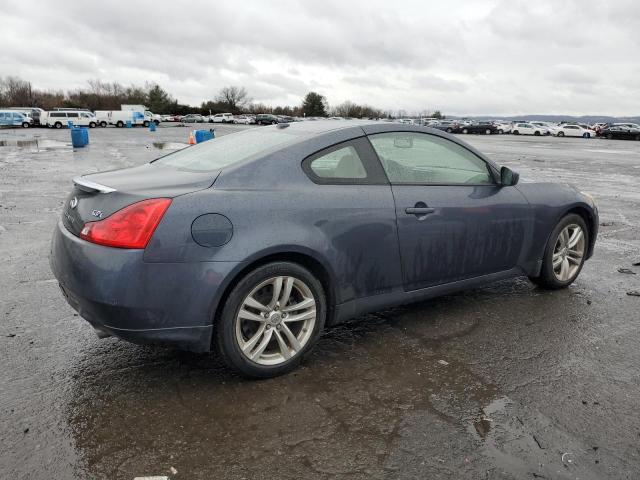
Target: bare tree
x=233, y=98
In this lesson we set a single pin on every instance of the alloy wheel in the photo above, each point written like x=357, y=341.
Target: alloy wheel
x=275, y=320
x=568, y=252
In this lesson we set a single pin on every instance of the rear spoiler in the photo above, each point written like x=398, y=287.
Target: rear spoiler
x=91, y=187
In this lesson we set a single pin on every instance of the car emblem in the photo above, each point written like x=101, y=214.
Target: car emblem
x=74, y=202
x=97, y=213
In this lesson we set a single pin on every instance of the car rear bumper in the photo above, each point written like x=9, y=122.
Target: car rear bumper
x=120, y=294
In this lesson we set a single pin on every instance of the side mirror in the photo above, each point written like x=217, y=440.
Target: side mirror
x=508, y=177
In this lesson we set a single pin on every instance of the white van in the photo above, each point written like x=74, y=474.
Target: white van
x=59, y=119
x=119, y=118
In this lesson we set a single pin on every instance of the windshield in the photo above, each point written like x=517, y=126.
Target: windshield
x=228, y=149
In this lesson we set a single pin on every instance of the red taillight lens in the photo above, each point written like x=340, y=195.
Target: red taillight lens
x=131, y=227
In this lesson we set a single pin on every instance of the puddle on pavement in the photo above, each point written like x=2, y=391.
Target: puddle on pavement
x=36, y=144
x=169, y=145
x=375, y=398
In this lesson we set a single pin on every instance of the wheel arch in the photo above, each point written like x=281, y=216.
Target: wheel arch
x=307, y=259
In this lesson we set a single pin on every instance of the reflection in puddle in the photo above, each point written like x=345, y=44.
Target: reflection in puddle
x=169, y=145
x=36, y=144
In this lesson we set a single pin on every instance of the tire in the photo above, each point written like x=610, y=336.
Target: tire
x=500, y=132
x=119, y=124
x=103, y=124
x=157, y=122
x=145, y=124
x=561, y=134
x=449, y=130
x=25, y=125
x=536, y=133
x=638, y=138
x=487, y=132
x=92, y=125
x=610, y=136
x=273, y=122
x=549, y=278
x=465, y=131
x=57, y=125
x=516, y=132
x=231, y=331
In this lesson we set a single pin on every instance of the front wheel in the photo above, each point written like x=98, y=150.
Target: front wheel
x=561, y=134
x=145, y=124
x=103, y=124
x=25, y=125
x=58, y=125
x=487, y=132
x=516, y=132
x=92, y=125
x=564, y=254
x=270, y=320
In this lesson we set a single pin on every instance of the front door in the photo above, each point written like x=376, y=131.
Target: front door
x=455, y=221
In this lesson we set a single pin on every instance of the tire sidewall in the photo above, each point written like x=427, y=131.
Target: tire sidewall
x=225, y=334
x=547, y=274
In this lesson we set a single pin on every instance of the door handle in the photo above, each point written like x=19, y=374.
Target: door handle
x=419, y=210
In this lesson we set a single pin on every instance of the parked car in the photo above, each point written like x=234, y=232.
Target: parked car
x=285, y=119
x=545, y=127
x=221, y=118
x=245, y=119
x=192, y=118
x=621, y=132
x=121, y=118
x=527, y=129
x=484, y=128
x=448, y=126
x=503, y=127
x=165, y=252
x=266, y=119
x=31, y=112
x=565, y=130
x=11, y=118
x=80, y=118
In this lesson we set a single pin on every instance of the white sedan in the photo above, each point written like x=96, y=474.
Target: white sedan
x=527, y=129
x=574, y=131
x=246, y=119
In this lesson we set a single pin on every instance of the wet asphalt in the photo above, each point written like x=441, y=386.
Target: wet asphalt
x=502, y=382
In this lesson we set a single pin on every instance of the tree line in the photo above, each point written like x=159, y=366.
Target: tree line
x=100, y=95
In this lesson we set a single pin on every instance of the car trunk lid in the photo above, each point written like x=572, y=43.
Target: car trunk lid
x=96, y=196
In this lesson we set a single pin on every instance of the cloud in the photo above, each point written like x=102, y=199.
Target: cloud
x=467, y=57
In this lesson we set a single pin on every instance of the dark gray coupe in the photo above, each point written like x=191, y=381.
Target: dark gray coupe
x=250, y=244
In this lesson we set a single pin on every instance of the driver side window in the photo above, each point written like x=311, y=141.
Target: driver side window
x=409, y=157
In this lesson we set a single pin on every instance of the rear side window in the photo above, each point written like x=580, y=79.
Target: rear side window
x=343, y=163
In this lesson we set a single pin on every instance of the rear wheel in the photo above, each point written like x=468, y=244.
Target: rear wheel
x=119, y=124
x=516, y=132
x=270, y=320
x=561, y=134
x=564, y=254
x=465, y=131
x=103, y=124
x=449, y=130
x=487, y=132
x=25, y=125
x=273, y=122
x=500, y=131
x=145, y=124
x=92, y=125
x=58, y=125
x=536, y=133
x=609, y=136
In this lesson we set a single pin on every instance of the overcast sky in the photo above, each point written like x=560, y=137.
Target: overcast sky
x=464, y=57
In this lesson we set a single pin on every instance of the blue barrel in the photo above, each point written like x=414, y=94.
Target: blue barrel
x=152, y=127
x=203, y=135
x=70, y=123
x=79, y=137
x=129, y=124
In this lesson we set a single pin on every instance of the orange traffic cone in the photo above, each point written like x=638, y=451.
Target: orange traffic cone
x=192, y=139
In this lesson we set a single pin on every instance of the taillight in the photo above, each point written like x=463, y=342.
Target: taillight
x=131, y=227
